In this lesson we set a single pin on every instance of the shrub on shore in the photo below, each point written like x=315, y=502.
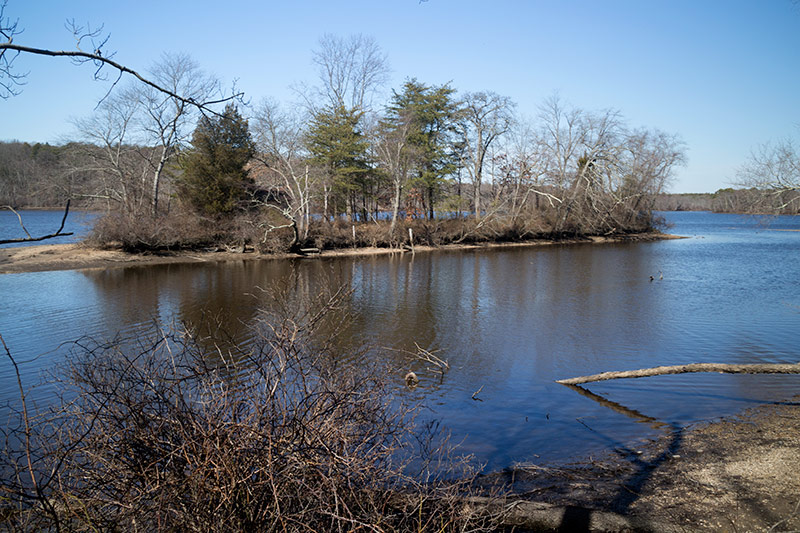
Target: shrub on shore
x=268, y=232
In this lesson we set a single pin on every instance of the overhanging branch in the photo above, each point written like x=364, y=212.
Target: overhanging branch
x=101, y=60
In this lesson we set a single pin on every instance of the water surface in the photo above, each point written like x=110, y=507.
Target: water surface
x=509, y=322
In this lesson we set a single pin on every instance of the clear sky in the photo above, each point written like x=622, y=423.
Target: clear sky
x=723, y=74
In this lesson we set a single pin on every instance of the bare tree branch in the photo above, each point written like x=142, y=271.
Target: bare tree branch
x=9, y=51
x=351, y=71
x=19, y=217
x=27, y=431
x=486, y=117
x=773, y=170
x=100, y=60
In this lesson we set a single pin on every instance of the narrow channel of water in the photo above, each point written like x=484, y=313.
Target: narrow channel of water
x=509, y=322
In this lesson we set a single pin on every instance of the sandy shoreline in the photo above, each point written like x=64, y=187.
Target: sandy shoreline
x=47, y=257
x=737, y=473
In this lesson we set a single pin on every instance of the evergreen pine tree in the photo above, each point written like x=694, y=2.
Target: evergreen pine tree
x=215, y=181
x=337, y=145
x=433, y=112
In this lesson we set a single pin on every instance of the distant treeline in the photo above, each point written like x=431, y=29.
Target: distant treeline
x=36, y=175
x=46, y=176
x=750, y=201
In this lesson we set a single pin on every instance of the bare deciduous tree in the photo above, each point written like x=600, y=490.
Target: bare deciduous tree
x=397, y=155
x=774, y=170
x=139, y=120
x=594, y=175
x=486, y=116
x=168, y=81
x=351, y=71
x=289, y=178
x=523, y=167
x=166, y=118
x=110, y=145
x=579, y=145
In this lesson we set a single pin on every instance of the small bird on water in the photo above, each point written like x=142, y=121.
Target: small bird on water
x=411, y=379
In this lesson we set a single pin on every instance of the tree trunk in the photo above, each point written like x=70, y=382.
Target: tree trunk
x=325, y=202
x=157, y=178
x=477, y=196
x=395, y=205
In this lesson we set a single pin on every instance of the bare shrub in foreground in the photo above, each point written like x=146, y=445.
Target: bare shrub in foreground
x=159, y=434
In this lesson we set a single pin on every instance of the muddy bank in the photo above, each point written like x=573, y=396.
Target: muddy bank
x=78, y=256
x=735, y=474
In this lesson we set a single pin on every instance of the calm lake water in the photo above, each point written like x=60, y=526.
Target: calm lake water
x=508, y=321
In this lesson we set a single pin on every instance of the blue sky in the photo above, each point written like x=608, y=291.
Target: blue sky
x=723, y=74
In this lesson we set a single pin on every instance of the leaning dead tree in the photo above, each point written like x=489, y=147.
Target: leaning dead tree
x=59, y=232
x=764, y=368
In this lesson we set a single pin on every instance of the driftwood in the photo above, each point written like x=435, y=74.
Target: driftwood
x=764, y=368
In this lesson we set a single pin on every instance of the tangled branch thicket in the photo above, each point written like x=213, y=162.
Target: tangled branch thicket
x=159, y=434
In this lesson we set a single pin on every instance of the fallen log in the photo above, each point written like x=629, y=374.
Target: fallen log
x=539, y=516
x=764, y=368
x=521, y=515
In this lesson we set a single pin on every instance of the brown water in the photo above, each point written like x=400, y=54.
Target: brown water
x=509, y=322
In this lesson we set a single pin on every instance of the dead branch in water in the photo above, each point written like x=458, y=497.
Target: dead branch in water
x=438, y=364
x=763, y=368
x=427, y=356
x=475, y=394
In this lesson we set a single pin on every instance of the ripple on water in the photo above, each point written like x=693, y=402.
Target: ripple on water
x=509, y=322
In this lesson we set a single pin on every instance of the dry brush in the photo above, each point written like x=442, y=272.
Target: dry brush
x=179, y=431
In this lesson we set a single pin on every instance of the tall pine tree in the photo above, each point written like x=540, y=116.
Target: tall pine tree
x=433, y=113
x=337, y=145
